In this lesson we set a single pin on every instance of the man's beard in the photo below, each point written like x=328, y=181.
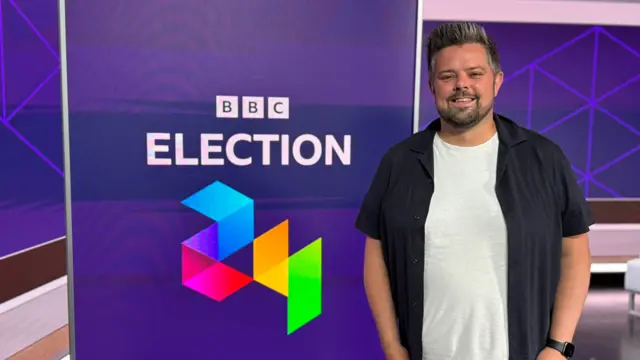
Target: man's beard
x=465, y=118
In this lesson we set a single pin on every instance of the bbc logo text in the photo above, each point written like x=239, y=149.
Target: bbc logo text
x=252, y=107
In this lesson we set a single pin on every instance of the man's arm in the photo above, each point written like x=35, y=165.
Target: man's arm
x=376, y=283
x=376, y=278
x=575, y=265
x=575, y=273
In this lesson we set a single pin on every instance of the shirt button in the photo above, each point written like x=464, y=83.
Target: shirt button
x=416, y=217
x=415, y=260
x=429, y=181
x=414, y=304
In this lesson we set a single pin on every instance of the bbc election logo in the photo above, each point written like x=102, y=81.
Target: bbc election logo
x=297, y=277
x=217, y=149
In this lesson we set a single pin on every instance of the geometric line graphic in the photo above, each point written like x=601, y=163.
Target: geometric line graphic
x=593, y=102
x=34, y=29
x=6, y=118
x=32, y=94
x=297, y=277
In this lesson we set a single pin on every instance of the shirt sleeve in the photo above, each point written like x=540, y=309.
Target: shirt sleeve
x=576, y=213
x=368, y=220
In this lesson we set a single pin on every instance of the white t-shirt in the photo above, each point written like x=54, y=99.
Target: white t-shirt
x=465, y=314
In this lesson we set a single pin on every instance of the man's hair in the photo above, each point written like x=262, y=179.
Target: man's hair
x=460, y=33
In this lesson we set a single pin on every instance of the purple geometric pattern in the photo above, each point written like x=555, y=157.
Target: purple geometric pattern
x=593, y=103
x=587, y=103
x=9, y=113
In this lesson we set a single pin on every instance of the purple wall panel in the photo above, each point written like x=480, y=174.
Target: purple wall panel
x=31, y=186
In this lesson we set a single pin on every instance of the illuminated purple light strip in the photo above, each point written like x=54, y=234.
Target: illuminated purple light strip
x=532, y=75
x=592, y=99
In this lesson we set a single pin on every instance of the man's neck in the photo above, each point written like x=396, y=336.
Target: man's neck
x=477, y=135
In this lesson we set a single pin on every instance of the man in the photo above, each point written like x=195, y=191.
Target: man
x=477, y=244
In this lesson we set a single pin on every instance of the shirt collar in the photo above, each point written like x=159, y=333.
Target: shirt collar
x=510, y=134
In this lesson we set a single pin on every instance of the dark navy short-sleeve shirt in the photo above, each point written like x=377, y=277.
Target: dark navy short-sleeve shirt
x=541, y=202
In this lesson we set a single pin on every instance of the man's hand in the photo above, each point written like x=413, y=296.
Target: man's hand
x=395, y=352
x=550, y=354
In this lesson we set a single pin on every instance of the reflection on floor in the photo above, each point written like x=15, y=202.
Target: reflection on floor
x=605, y=331
x=52, y=347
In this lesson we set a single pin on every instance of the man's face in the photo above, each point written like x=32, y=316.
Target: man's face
x=463, y=85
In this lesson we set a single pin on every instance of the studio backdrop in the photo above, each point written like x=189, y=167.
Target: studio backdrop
x=576, y=85
x=216, y=156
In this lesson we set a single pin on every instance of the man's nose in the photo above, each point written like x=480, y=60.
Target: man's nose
x=462, y=82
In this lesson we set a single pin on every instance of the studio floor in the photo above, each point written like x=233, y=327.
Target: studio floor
x=605, y=331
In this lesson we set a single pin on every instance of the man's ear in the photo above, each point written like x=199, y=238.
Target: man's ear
x=497, y=84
